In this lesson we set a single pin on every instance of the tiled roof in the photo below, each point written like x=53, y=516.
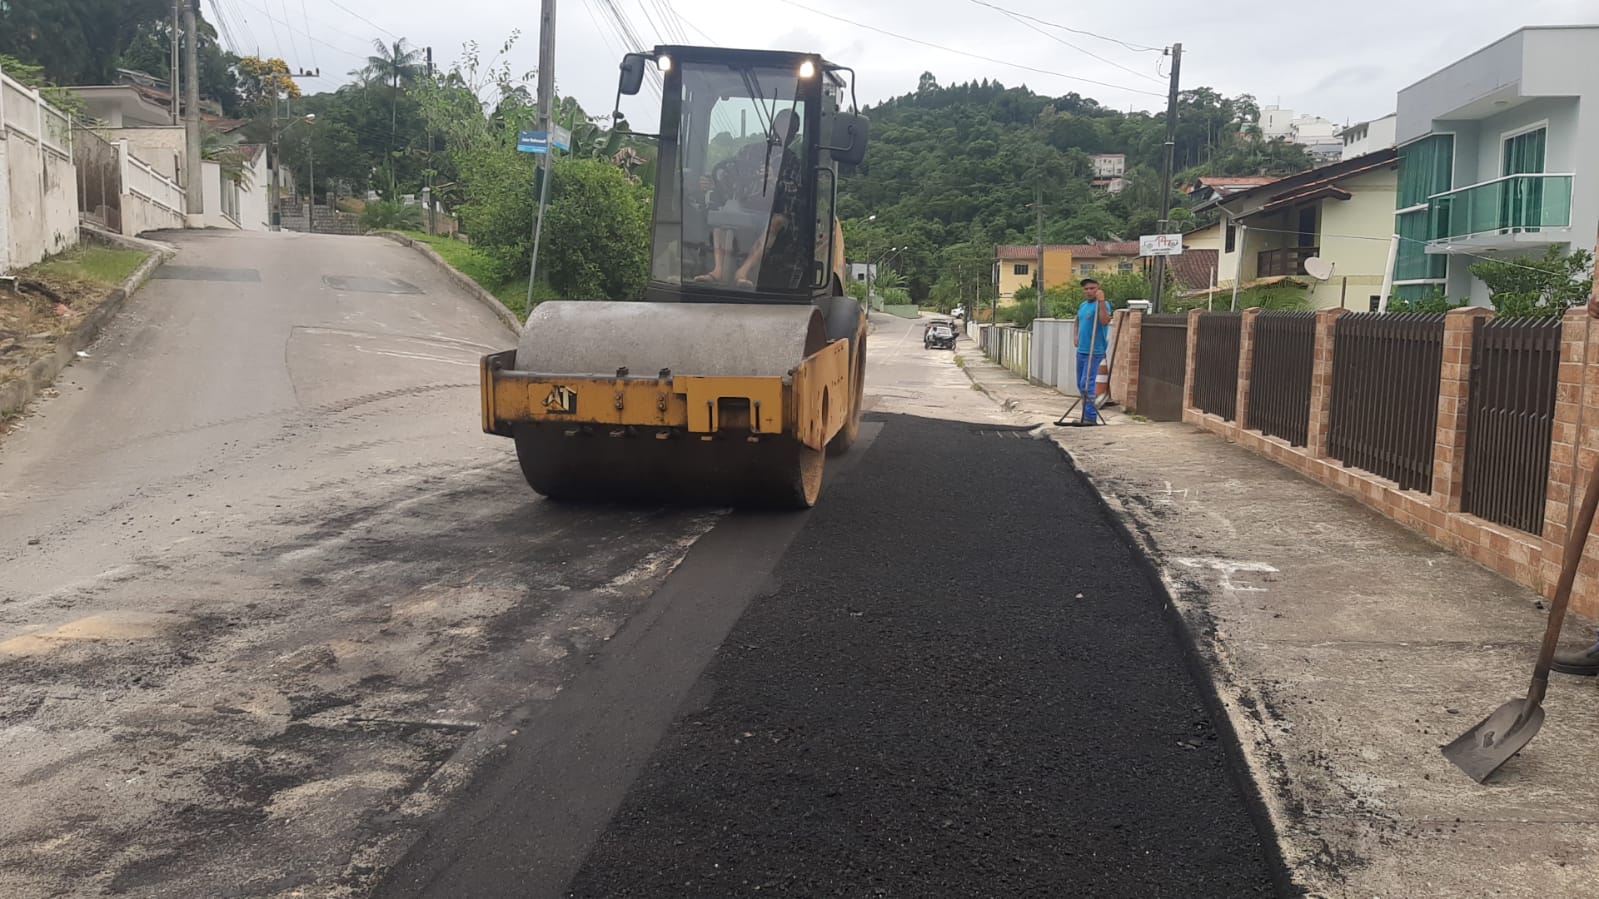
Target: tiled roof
x=1078, y=250
x=1192, y=268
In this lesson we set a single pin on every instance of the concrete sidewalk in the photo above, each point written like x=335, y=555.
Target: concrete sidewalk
x=1347, y=651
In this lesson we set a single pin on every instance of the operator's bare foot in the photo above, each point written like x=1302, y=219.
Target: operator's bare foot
x=744, y=282
x=709, y=277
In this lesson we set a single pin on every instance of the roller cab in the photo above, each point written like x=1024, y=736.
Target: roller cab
x=742, y=367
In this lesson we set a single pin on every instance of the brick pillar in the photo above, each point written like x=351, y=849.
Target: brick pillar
x=1129, y=331
x=1191, y=360
x=1321, y=380
x=1454, y=387
x=1246, y=364
x=1576, y=397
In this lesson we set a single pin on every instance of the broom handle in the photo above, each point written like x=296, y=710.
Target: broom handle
x=1576, y=541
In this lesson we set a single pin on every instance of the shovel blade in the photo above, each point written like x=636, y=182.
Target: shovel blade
x=1480, y=751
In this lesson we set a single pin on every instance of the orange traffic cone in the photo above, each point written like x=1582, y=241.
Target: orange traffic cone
x=1102, y=383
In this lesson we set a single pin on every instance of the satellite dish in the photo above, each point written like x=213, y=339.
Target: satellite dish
x=1318, y=268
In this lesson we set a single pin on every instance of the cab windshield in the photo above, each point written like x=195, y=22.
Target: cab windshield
x=733, y=208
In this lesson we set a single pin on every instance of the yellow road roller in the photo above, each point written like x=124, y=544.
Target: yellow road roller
x=742, y=368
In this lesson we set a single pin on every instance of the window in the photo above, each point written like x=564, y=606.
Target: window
x=1124, y=266
x=1085, y=269
x=1523, y=154
x=1019, y=268
x=1232, y=238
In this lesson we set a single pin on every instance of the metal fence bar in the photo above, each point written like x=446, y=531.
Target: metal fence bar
x=1279, y=390
x=1216, y=364
x=1385, y=395
x=1510, y=419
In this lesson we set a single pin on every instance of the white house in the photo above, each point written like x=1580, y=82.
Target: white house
x=1338, y=213
x=1363, y=137
x=1496, y=158
x=1109, y=165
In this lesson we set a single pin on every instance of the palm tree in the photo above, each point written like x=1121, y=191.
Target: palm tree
x=396, y=65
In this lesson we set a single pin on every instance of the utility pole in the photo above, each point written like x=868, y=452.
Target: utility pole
x=546, y=117
x=1038, y=206
x=173, y=73
x=1166, y=173
x=193, y=191
x=310, y=177
x=431, y=202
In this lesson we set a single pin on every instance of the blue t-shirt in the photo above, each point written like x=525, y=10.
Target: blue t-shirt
x=1088, y=324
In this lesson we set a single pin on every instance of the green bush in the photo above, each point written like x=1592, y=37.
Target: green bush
x=1537, y=287
x=391, y=215
x=1431, y=302
x=595, y=242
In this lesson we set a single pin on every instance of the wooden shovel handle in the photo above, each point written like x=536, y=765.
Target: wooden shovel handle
x=1576, y=541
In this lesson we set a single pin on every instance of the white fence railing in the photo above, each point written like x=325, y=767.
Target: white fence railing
x=140, y=179
x=1046, y=354
x=39, y=211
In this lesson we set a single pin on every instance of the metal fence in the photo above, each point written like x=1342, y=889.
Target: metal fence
x=1279, y=380
x=1510, y=417
x=1162, y=366
x=1216, y=364
x=1385, y=395
x=99, y=179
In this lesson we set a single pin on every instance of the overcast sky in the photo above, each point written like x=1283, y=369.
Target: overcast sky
x=1343, y=60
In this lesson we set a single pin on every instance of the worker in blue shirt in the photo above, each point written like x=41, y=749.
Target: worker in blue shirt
x=1093, y=325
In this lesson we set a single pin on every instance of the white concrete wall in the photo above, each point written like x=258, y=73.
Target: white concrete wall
x=255, y=212
x=150, y=201
x=39, y=188
x=211, y=183
x=161, y=146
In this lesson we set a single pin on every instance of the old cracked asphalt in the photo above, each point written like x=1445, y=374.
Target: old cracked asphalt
x=278, y=620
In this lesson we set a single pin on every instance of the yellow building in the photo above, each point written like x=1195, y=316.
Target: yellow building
x=1096, y=260
x=1014, y=267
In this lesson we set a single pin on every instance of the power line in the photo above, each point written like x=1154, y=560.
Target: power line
x=1083, y=50
x=364, y=19
x=293, y=44
x=306, y=16
x=1136, y=48
x=989, y=59
x=270, y=19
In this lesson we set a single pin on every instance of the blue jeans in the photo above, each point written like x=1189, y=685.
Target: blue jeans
x=1087, y=375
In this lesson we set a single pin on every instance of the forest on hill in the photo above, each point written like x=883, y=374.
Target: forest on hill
x=953, y=170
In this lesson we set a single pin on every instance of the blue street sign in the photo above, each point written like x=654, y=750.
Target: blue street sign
x=538, y=141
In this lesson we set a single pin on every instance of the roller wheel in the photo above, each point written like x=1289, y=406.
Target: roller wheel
x=781, y=474
x=847, y=435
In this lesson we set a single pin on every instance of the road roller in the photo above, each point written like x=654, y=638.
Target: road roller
x=742, y=367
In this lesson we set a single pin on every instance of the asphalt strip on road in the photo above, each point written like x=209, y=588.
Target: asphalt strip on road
x=958, y=679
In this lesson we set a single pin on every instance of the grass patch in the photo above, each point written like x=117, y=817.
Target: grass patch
x=108, y=266
x=464, y=258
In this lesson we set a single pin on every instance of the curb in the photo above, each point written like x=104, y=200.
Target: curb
x=507, y=317
x=42, y=373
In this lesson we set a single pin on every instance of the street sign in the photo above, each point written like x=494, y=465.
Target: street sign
x=538, y=141
x=1160, y=245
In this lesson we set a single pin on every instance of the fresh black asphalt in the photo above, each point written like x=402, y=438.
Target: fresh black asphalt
x=959, y=681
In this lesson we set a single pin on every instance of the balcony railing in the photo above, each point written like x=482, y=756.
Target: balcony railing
x=1284, y=261
x=1513, y=204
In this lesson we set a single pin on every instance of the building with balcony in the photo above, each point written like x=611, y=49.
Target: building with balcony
x=1496, y=159
x=1339, y=213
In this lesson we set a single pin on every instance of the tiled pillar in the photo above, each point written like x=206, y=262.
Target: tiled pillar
x=1321, y=380
x=1454, y=387
x=1129, y=327
x=1246, y=364
x=1191, y=360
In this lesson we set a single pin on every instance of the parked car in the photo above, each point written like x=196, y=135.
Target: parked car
x=940, y=334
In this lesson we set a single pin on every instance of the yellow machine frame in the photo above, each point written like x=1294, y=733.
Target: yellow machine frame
x=812, y=401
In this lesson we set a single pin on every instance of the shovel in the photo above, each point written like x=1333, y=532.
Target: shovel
x=1480, y=751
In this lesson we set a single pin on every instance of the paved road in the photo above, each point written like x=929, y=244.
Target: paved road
x=270, y=595
x=956, y=680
